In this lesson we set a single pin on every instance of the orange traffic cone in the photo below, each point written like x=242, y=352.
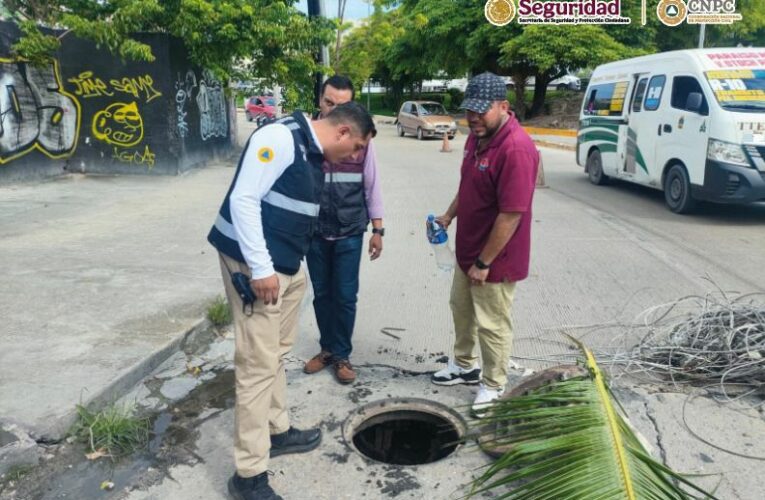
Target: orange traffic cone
x=445, y=148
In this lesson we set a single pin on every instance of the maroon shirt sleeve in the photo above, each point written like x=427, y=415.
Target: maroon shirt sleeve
x=516, y=180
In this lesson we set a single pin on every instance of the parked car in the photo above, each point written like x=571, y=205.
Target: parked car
x=259, y=107
x=425, y=119
x=565, y=82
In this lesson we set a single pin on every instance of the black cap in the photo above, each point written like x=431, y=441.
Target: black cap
x=482, y=90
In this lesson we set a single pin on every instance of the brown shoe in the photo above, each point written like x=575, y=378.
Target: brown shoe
x=344, y=372
x=318, y=362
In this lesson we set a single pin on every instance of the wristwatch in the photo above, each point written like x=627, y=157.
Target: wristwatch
x=380, y=231
x=481, y=264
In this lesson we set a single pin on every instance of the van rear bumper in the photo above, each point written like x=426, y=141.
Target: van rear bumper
x=727, y=183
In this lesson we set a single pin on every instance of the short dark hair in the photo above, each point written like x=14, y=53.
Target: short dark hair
x=353, y=113
x=340, y=82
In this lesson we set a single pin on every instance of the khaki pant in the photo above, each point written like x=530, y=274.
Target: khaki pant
x=483, y=313
x=262, y=340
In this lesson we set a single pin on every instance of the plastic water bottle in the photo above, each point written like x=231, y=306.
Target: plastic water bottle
x=439, y=241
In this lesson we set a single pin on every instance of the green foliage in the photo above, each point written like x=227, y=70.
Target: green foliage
x=456, y=98
x=109, y=24
x=567, y=440
x=267, y=40
x=35, y=45
x=114, y=431
x=552, y=50
x=219, y=312
x=378, y=104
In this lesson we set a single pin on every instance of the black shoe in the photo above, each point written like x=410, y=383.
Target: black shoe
x=294, y=441
x=454, y=374
x=252, y=488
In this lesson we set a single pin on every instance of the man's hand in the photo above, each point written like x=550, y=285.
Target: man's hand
x=266, y=289
x=477, y=276
x=375, y=246
x=444, y=220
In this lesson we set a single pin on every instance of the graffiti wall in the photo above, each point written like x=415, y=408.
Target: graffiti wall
x=88, y=111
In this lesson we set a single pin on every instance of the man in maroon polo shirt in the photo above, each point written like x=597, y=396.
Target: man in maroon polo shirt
x=493, y=211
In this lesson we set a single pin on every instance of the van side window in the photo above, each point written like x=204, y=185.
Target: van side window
x=606, y=99
x=682, y=86
x=637, y=100
x=653, y=96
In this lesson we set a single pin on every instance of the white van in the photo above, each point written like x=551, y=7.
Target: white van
x=688, y=122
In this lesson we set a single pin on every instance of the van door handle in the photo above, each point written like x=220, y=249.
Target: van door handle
x=667, y=128
x=659, y=131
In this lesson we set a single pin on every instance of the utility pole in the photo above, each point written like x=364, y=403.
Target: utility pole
x=369, y=81
x=316, y=9
x=702, y=32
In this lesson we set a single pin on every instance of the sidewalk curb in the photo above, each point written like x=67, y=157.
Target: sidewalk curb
x=555, y=145
x=562, y=132
x=26, y=450
x=125, y=381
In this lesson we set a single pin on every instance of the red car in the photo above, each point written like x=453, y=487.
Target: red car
x=256, y=108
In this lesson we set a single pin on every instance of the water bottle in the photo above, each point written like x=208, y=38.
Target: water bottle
x=439, y=241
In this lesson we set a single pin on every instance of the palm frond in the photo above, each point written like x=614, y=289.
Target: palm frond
x=567, y=440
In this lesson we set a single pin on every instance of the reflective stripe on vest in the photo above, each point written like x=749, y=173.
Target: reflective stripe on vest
x=343, y=177
x=225, y=227
x=291, y=204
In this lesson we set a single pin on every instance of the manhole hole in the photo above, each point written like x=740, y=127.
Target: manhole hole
x=404, y=431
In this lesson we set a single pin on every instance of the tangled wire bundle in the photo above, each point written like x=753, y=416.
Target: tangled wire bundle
x=711, y=339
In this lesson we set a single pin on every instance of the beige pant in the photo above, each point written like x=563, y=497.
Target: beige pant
x=262, y=340
x=483, y=313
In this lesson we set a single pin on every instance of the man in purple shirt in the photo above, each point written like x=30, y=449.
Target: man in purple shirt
x=350, y=198
x=493, y=211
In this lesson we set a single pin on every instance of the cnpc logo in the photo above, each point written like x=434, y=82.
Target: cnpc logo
x=674, y=12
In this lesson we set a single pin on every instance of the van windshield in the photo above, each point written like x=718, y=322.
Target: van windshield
x=739, y=89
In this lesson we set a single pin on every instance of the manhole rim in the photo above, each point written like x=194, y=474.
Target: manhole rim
x=375, y=408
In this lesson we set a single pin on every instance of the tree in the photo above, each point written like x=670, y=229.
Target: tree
x=364, y=47
x=278, y=41
x=550, y=51
x=340, y=26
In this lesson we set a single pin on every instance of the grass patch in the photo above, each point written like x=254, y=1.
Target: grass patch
x=377, y=106
x=219, y=312
x=114, y=430
x=17, y=472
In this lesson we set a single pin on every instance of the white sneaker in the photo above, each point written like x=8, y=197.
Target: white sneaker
x=454, y=374
x=484, y=399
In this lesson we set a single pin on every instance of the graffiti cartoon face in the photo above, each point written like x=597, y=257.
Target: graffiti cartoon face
x=119, y=124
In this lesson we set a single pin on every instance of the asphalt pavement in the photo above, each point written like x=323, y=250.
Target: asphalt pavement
x=105, y=275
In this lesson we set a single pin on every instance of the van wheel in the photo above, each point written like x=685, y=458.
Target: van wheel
x=419, y=134
x=595, y=169
x=677, y=190
x=400, y=130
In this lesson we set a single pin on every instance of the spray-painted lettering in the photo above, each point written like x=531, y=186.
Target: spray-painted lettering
x=135, y=157
x=35, y=112
x=88, y=86
x=183, y=89
x=212, y=108
x=135, y=86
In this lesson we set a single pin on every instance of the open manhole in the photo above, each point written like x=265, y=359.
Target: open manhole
x=404, y=431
